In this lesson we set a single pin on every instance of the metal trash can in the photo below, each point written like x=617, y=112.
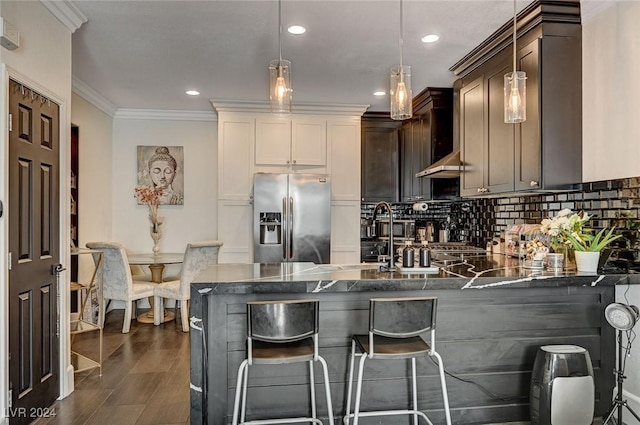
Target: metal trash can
x=562, y=388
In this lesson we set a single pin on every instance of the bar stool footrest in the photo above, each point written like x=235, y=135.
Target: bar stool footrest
x=387, y=413
x=282, y=421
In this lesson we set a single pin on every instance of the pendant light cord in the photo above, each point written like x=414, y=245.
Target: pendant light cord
x=514, y=38
x=401, y=42
x=280, y=30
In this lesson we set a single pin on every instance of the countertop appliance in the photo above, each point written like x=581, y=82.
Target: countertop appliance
x=403, y=229
x=371, y=249
x=562, y=389
x=291, y=218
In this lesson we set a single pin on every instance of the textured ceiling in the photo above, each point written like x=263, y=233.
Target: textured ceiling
x=144, y=54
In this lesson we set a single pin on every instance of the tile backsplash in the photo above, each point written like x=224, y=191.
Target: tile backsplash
x=610, y=203
x=476, y=221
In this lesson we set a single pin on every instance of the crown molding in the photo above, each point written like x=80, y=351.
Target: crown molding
x=80, y=88
x=592, y=8
x=164, y=115
x=223, y=105
x=66, y=12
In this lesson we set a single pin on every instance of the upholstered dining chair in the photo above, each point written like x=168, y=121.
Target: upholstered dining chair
x=197, y=257
x=117, y=281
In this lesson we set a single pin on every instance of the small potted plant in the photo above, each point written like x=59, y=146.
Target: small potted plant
x=569, y=229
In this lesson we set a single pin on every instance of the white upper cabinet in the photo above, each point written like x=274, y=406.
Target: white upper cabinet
x=235, y=149
x=322, y=141
x=309, y=142
x=286, y=141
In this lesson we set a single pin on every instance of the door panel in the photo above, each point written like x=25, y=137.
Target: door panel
x=528, y=142
x=33, y=241
x=270, y=206
x=310, y=218
x=499, y=159
x=472, y=137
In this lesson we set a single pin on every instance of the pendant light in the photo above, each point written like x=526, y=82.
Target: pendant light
x=280, y=76
x=515, y=87
x=400, y=83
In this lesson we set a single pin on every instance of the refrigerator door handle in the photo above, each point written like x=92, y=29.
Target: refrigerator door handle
x=284, y=229
x=291, y=227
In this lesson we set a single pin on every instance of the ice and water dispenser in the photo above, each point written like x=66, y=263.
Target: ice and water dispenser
x=270, y=228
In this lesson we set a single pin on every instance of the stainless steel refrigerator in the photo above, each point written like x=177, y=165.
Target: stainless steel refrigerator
x=291, y=218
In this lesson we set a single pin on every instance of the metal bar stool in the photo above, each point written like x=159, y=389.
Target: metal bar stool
x=395, y=325
x=281, y=332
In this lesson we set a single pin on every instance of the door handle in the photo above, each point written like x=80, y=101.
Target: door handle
x=283, y=230
x=56, y=269
x=291, y=227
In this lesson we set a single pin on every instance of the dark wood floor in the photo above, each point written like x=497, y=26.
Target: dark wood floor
x=145, y=377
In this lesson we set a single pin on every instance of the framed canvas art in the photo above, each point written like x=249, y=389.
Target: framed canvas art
x=162, y=167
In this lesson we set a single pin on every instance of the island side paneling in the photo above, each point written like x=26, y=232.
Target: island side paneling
x=489, y=337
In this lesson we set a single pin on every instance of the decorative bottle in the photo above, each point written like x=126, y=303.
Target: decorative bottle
x=425, y=255
x=408, y=254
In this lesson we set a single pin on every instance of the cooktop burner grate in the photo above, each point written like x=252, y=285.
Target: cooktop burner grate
x=455, y=248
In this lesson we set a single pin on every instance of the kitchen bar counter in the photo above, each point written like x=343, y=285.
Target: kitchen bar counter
x=493, y=315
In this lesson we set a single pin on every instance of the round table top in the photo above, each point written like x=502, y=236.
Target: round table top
x=160, y=258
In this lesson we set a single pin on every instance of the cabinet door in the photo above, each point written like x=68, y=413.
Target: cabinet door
x=528, y=149
x=308, y=142
x=345, y=232
x=344, y=159
x=472, y=136
x=235, y=229
x=500, y=135
x=273, y=141
x=235, y=148
x=421, y=156
x=380, y=156
x=406, y=160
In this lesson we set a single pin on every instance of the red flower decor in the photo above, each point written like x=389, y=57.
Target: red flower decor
x=151, y=197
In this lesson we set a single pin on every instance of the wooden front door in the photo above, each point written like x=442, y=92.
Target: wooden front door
x=34, y=252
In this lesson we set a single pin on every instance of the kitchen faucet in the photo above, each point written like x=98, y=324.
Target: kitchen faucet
x=392, y=264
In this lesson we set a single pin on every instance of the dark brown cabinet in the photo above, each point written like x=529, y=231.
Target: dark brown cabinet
x=544, y=152
x=415, y=155
x=394, y=151
x=380, y=158
x=426, y=138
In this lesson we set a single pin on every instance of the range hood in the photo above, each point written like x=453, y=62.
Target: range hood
x=447, y=167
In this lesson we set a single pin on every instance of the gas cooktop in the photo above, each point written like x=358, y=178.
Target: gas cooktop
x=455, y=248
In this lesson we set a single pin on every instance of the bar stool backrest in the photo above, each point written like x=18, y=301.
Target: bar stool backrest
x=402, y=317
x=282, y=321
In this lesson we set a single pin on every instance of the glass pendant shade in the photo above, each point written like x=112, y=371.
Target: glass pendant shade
x=515, y=97
x=515, y=85
x=400, y=92
x=280, y=86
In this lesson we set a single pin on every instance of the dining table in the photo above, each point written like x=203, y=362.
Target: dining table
x=156, y=264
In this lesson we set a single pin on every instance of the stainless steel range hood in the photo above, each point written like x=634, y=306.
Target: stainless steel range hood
x=447, y=167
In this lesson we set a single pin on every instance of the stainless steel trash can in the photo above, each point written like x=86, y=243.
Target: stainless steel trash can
x=562, y=388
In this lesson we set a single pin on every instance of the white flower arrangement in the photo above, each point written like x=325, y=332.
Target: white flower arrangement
x=567, y=229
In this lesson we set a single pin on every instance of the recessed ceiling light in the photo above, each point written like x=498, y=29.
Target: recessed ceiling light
x=192, y=92
x=431, y=38
x=297, y=29
x=379, y=93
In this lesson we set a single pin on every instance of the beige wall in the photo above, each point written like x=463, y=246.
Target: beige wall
x=95, y=130
x=611, y=124
x=42, y=61
x=196, y=219
x=611, y=87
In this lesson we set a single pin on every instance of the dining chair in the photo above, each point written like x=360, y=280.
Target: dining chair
x=117, y=281
x=197, y=257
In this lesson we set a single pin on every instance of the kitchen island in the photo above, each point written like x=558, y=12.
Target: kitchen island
x=493, y=314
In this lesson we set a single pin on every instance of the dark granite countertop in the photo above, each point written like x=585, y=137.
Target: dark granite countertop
x=473, y=272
